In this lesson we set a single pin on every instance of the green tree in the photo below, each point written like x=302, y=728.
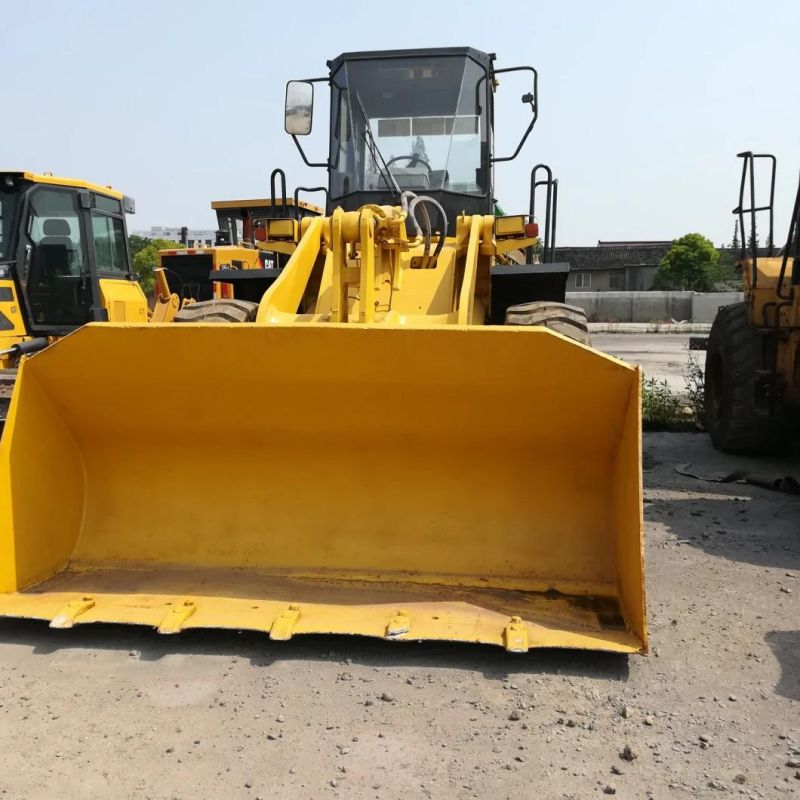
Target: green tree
x=137, y=243
x=725, y=276
x=690, y=264
x=735, y=245
x=146, y=259
x=752, y=241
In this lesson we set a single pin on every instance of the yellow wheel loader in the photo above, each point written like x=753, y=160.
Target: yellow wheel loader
x=376, y=451
x=64, y=261
x=752, y=377
x=253, y=242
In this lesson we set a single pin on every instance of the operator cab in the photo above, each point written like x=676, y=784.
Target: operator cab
x=408, y=120
x=416, y=123
x=57, y=238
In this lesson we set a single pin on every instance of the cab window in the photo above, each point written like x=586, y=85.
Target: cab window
x=55, y=279
x=54, y=229
x=110, y=205
x=109, y=244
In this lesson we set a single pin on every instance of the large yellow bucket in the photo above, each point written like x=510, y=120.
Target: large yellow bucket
x=474, y=484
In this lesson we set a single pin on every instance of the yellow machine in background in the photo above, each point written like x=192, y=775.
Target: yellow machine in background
x=752, y=379
x=372, y=454
x=63, y=260
x=185, y=277
x=253, y=242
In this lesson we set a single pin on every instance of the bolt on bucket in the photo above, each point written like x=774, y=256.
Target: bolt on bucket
x=476, y=484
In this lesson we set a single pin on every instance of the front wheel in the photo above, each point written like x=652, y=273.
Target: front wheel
x=734, y=358
x=218, y=310
x=569, y=321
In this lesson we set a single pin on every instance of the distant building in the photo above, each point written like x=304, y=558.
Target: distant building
x=613, y=266
x=621, y=266
x=195, y=237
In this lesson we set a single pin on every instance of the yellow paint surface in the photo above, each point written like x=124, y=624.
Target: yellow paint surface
x=465, y=475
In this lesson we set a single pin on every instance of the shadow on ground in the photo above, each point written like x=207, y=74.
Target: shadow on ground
x=737, y=521
x=715, y=526
x=786, y=648
x=493, y=663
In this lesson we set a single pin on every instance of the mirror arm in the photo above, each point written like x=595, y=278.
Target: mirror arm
x=303, y=155
x=533, y=99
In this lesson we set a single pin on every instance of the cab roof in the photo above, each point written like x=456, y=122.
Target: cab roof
x=37, y=177
x=264, y=203
x=484, y=59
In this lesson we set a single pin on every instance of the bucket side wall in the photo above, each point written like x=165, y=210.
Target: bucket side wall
x=628, y=517
x=41, y=487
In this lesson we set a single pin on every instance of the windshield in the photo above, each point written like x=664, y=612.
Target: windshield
x=9, y=202
x=423, y=119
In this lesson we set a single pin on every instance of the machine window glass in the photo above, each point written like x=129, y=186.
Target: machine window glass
x=424, y=116
x=54, y=229
x=108, y=204
x=109, y=244
x=56, y=282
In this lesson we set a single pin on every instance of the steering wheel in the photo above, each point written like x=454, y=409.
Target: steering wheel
x=412, y=160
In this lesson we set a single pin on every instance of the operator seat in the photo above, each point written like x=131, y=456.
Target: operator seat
x=56, y=249
x=53, y=285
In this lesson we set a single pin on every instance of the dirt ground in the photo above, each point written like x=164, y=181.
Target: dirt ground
x=109, y=711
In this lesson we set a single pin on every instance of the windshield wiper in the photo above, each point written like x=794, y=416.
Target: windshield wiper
x=375, y=151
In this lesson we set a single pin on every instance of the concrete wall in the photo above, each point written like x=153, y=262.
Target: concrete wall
x=705, y=306
x=651, y=306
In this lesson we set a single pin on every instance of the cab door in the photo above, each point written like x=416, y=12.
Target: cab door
x=55, y=276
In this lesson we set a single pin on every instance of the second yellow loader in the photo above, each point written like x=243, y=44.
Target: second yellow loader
x=408, y=437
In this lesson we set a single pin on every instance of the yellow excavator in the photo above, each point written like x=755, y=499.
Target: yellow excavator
x=407, y=438
x=752, y=376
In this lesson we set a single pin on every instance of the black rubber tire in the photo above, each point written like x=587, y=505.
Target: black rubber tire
x=569, y=321
x=734, y=357
x=218, y=311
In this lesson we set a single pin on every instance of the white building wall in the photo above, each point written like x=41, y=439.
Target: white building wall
x=197, y=237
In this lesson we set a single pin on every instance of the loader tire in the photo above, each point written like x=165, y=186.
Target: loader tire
x=733, y=360
x=218, y=311
x=569, y=321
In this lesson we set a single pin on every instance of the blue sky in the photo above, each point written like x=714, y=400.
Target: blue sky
x=643, y=105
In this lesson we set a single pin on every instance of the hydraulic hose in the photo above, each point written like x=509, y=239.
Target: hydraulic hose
x=423, y=198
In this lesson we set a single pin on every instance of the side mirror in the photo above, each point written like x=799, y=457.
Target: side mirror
x=299, y=111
